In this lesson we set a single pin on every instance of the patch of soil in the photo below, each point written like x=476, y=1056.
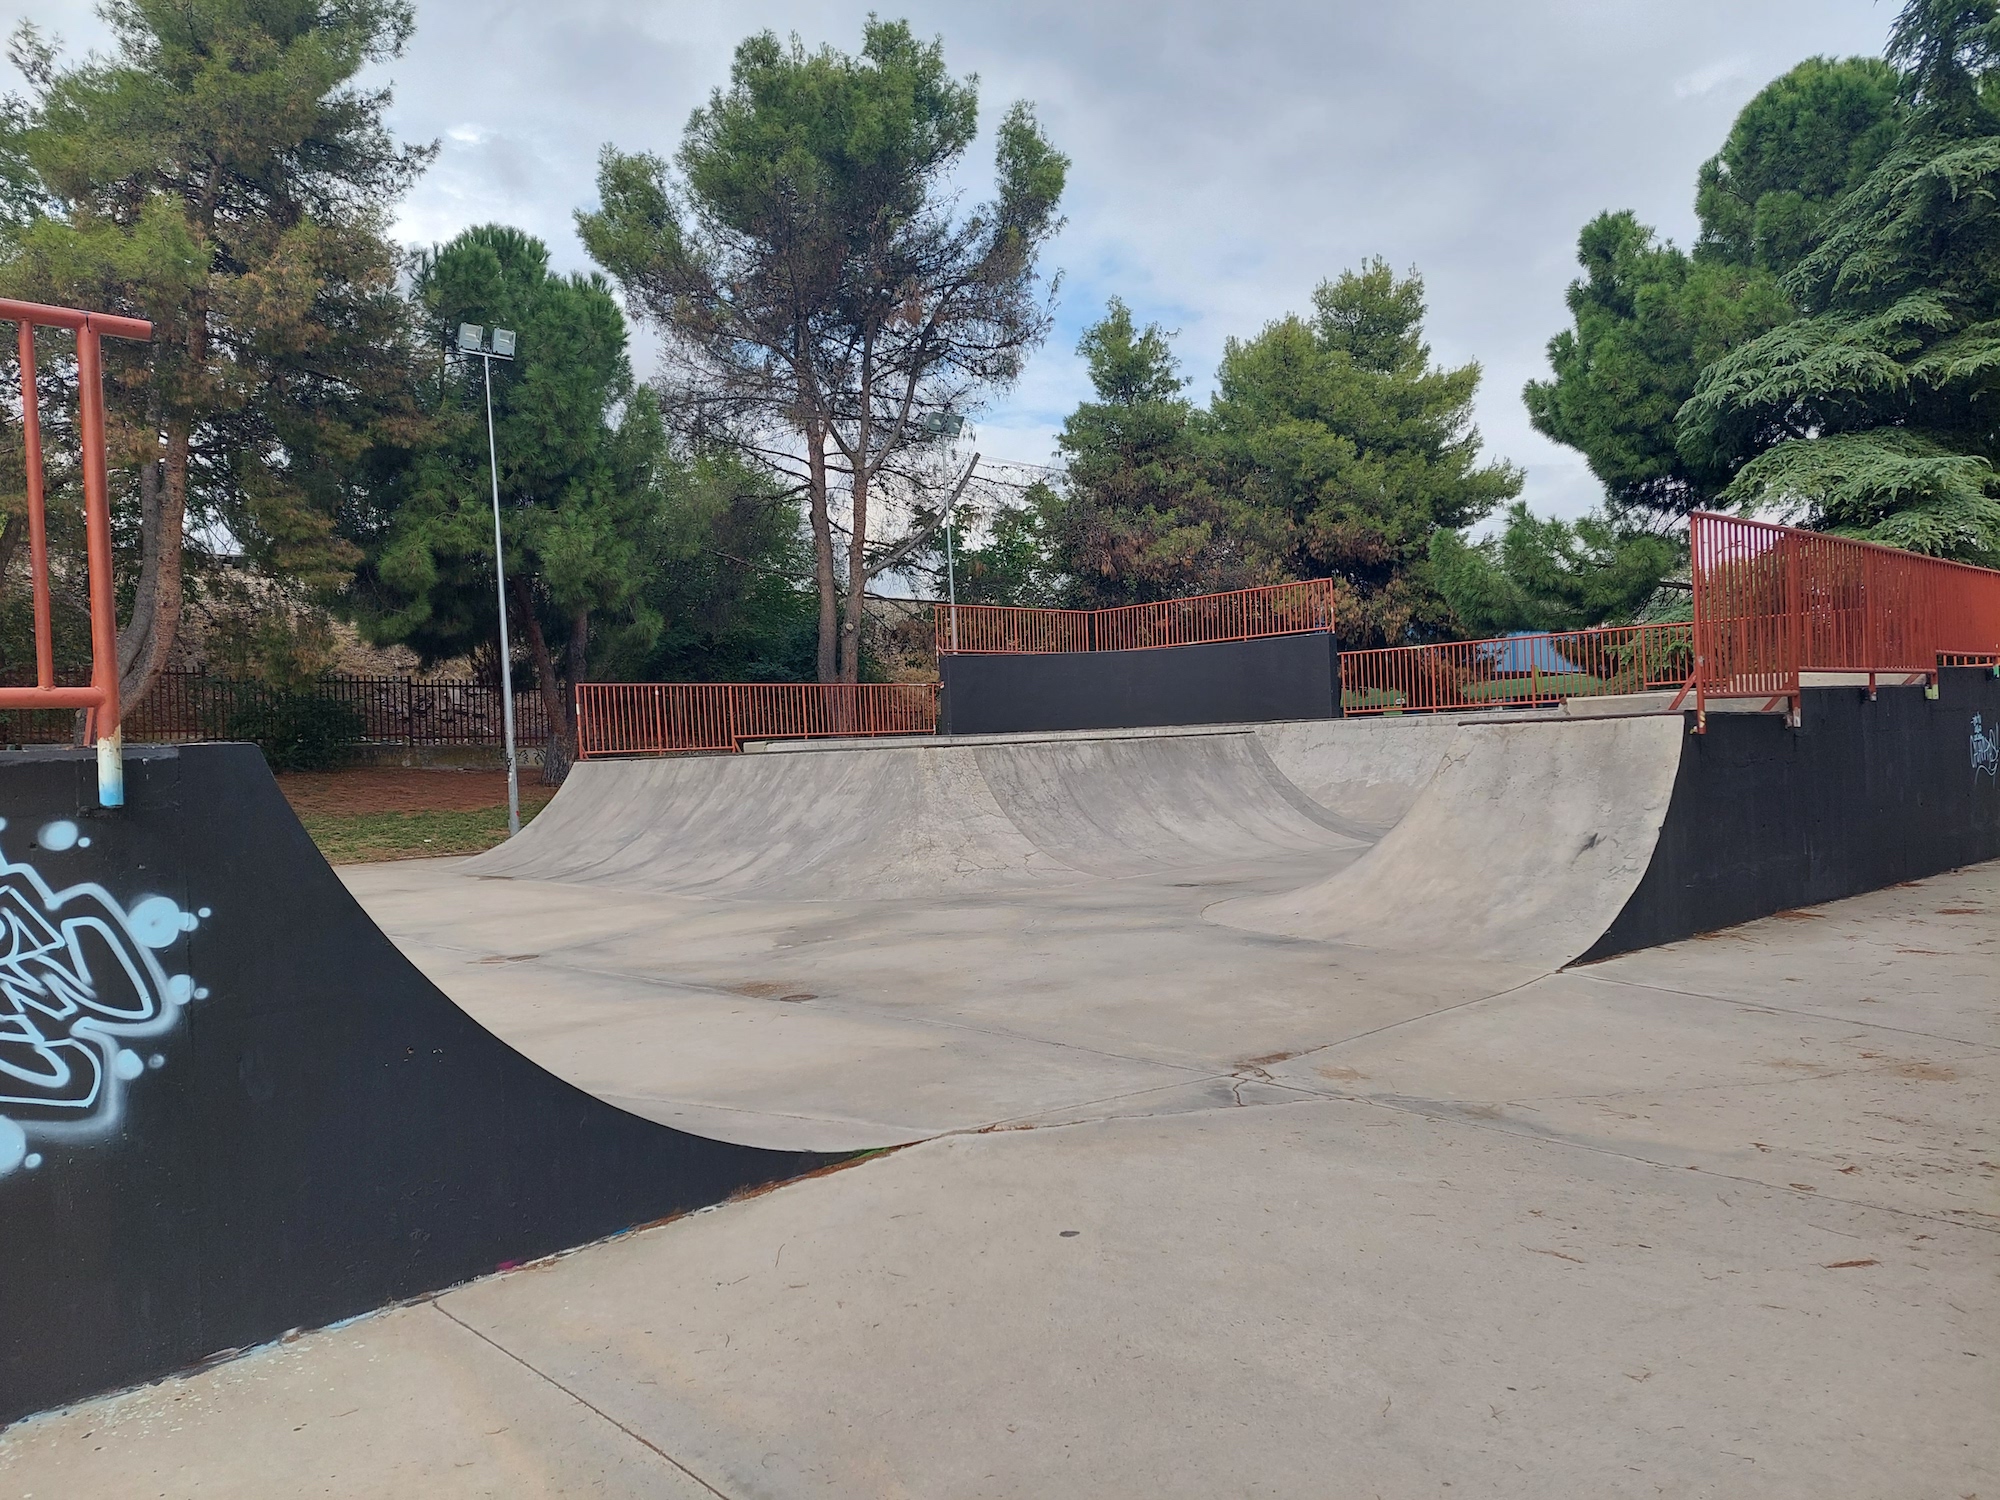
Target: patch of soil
x=380, y=789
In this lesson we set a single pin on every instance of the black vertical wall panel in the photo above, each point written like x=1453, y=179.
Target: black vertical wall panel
x=1862, y=795
x=326, y=1131
x=1229, y=682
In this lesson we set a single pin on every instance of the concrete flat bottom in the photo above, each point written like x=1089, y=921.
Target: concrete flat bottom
x=1712, y=1219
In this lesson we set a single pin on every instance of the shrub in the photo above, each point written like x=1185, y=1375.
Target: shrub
x=298, y=733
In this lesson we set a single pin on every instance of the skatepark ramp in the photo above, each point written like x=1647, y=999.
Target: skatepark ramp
x=229, y=1107
x=929, y=817
x=1532, y=840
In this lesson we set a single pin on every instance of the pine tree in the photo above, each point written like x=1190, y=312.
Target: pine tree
x=1873, y=414
x=221, y=174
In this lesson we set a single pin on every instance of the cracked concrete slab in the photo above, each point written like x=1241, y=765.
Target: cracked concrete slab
x=1331, y=1298
x=407, y=1402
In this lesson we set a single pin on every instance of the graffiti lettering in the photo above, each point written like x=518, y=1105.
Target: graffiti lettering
x=81, y=984
x=1985, y=748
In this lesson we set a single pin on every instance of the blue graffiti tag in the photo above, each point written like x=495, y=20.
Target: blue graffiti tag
x=80, y=984
x=1985, y=748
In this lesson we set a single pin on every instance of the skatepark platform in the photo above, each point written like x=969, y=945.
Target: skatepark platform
x=691, y=977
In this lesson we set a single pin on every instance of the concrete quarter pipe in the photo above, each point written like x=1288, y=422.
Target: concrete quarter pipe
x=1534, y=841
x=229, y=1107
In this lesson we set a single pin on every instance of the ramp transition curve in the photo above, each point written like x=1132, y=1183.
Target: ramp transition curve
x=229, y=1107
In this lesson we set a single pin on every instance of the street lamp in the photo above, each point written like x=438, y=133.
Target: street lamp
x=948, y=425
x=472, y=341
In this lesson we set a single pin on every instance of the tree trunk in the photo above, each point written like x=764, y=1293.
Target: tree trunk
x=857, y=537
x=11, y=537
x=857, y=580
x=555, y=753
x=822, y=535
x=579, y=665
x=147, y=641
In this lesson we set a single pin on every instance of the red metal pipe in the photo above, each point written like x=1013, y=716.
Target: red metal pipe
x=97, y=525
x=104, y=324
x=38, y=528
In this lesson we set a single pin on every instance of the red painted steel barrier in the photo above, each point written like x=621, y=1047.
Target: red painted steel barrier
x=666, y=717
x=1774, y=602
x=1245, y=614
x=995, y=629
x=1771, y=603
x=100, y=698
x=1516, y=671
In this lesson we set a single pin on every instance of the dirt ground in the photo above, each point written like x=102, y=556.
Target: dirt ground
x=381, y=789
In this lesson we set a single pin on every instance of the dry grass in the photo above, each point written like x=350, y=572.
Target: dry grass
x=385, y=813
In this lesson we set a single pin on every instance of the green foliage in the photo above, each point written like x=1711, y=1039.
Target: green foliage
x=1872, y=414
x=728, y=579
x=220, y=173
x=847, y=139
x=296, y=731
x=637, y=560
x=1804, y=140
x=579, y=459
x=1138, y=517
x=829, y=306
x=1648, y=318
x=1550, y=575
x=1334, y=448
x=1005, y=556
x=1353, y=450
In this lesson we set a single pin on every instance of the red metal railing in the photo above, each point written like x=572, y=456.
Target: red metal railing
x=1516, y=671
x=649, y=718
x=1770, y=603
x=100, y=698
x=1245, y=614
x=1773, y=602
x=992, y=628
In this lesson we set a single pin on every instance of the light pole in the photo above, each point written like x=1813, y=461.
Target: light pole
x=472, y=341
x=948, y=424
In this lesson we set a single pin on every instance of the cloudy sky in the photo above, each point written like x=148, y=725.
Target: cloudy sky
x=1227, y=156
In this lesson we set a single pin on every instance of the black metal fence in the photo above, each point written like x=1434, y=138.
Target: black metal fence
x=393, y=710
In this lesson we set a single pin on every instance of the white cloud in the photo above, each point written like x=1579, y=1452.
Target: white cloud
x=1226, y=157
x=1707, y=79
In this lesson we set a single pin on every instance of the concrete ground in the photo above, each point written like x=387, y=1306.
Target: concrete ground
x=1275, y=1219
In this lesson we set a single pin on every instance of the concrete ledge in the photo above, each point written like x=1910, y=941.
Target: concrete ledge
x=1624, y=705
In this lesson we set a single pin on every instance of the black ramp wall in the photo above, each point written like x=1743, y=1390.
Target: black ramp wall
x=229, y=1107
x=1230, y=682
x=1862, y=795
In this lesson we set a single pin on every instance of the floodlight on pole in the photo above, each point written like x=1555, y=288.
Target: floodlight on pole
x=472, y=341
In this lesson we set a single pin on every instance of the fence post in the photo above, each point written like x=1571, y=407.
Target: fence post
x=1794, y=628
x=1699, y=643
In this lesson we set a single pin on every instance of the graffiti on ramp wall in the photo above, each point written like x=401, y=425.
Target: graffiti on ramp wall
x=1985, y=748
x=85, y=1002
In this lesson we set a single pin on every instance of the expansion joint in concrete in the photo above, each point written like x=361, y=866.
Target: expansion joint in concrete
x=597, y=1411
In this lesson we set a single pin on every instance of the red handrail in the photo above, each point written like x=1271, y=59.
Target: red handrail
x=101, y=697
x=1773, y=602
x=655, y=718
x=1200, y=619
x=1516, y=671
